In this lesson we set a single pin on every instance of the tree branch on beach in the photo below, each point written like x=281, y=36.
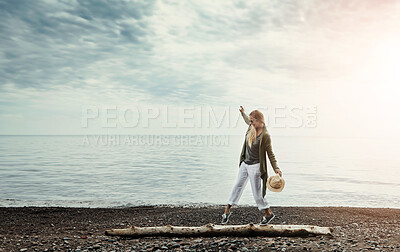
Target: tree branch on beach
x=223, y=230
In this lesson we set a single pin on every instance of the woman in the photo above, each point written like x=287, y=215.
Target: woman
x=253, y=165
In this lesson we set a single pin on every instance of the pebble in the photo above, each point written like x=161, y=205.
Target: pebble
x=175, y=246
x=336, y=229
x=357, y=235
x=354, y=225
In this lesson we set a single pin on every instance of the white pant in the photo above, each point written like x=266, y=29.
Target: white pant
x=245, y=172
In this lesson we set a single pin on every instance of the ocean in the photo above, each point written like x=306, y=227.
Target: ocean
x=137, y=170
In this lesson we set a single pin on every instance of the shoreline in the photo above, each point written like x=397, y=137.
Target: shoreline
x=82, y=228
x=185, y=205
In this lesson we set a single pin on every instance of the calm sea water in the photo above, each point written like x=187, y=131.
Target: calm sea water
x=113, y=171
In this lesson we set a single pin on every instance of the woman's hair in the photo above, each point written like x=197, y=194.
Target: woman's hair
x=252, y=133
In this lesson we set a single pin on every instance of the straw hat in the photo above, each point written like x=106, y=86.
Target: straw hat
x=275, y=183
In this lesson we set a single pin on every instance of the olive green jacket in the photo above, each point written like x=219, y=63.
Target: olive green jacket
x=265, y=147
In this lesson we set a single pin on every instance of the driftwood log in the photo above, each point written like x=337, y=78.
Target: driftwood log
x=223, y=230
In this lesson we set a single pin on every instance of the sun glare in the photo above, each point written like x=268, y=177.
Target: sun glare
x=385, y=64
x=376, y=86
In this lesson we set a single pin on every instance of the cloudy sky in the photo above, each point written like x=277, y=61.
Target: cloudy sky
x=64, y=61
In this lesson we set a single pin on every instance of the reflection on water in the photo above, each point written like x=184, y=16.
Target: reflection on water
x=70, y=171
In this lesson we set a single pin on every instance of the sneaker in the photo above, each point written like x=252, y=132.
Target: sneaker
x=225, y=218
x=267, y=220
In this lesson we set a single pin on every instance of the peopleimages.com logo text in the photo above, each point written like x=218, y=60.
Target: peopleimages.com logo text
x=295, y=116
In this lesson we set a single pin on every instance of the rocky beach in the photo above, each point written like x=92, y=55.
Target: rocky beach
x=83, y=229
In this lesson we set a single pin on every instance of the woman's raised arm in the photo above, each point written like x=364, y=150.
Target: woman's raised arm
x=245, y=117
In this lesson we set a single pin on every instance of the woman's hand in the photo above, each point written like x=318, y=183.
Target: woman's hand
x=241, y=109
x=278, y=171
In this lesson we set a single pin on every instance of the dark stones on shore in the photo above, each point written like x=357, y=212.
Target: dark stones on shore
x=73, y=229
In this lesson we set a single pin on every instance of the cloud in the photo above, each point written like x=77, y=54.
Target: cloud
x=183, y=52
x=163, y=48
x=46, y=44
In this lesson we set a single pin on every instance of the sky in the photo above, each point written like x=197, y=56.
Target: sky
x=314, y=68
